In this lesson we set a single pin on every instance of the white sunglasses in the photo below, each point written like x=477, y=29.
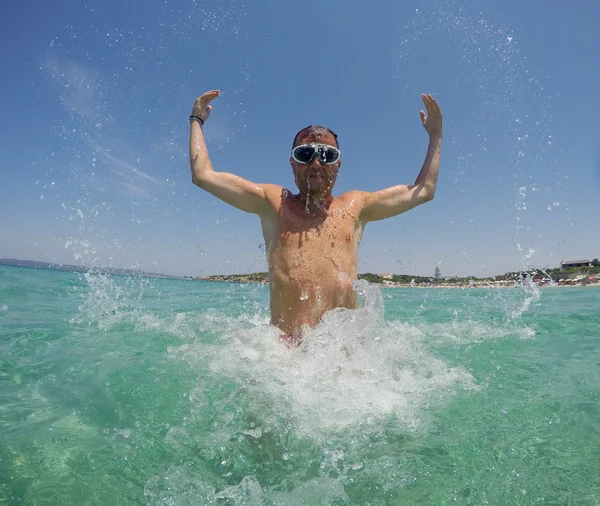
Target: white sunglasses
x=306, y=152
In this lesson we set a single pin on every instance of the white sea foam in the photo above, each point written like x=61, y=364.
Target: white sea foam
x=351, y=371
x=355, y=377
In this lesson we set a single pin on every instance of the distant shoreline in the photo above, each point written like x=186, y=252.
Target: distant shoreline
x=241, y=279
x=422, y=286
x=33, y=264
x=261, y=277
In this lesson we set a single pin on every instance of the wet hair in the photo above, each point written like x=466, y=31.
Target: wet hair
x=315, y=131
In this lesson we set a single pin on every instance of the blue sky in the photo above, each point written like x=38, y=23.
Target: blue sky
x=96, y=96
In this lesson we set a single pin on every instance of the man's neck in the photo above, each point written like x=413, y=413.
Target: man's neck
x=315, y=202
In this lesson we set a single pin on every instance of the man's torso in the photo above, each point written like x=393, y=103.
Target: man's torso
x=312, y=258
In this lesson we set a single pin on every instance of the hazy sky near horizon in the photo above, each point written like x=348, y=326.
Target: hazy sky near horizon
x=96, y=98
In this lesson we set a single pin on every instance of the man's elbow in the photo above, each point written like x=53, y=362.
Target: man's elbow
x=427, y=194
x=200, y=174
x=199, y=180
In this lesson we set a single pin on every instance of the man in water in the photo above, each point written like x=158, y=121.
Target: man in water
x=312, y=237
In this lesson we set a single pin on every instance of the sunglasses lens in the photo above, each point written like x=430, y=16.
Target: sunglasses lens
x=304, y=154
x=329, y=155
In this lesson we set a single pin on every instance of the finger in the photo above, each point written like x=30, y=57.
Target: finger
x=208, y=96
x=427, y=101
x=423, y=117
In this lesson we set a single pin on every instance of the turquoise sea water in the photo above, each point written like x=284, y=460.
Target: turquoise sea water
x=118, y=390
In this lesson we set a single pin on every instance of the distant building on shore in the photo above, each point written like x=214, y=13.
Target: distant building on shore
x=565, y=264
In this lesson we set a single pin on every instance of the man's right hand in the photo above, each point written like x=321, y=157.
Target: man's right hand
x=201, y=108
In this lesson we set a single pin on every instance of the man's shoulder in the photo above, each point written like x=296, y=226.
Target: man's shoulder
x=352, y=197
x=273, y=190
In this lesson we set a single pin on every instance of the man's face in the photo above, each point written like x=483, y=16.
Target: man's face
x=315, y=177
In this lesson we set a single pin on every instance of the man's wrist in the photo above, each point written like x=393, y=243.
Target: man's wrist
x=196, y=119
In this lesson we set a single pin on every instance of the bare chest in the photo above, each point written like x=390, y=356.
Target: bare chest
x=317, y=240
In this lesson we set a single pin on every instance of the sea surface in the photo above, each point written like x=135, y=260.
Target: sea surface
x=131, y=391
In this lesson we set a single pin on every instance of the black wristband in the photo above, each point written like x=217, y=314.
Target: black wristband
x=196, y=118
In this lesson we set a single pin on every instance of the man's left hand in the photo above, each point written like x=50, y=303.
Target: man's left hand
x=432, y=121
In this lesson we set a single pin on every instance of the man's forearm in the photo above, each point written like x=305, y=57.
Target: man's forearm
x=199, y=161
x=427, y=178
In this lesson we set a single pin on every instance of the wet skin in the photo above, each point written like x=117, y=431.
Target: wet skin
x=312, y=246
x=312, y=238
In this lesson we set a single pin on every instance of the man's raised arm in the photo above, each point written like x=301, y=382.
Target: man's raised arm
x=398, y=199
x=234, y=190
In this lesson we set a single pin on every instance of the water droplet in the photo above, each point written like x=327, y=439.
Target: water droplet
x=255, y=433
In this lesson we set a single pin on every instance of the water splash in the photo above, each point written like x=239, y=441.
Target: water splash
x=351, y=371
x=488, y=73
x=532, y=291
x=111, y=168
